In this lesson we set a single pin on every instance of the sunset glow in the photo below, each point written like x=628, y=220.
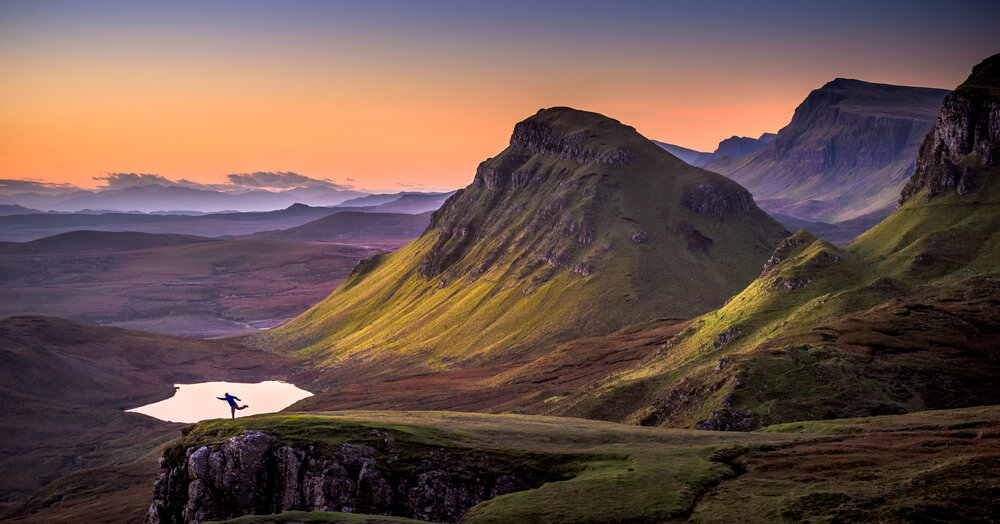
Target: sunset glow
x=399, y=94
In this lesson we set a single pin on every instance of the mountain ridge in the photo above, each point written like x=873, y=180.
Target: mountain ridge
x=849, y=148
x=902, y=319
x=568, y=229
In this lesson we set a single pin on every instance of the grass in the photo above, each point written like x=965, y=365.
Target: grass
x=902, y=319
x=610, y=470
x=543, y=260
x=310, y=517
x=617, y=472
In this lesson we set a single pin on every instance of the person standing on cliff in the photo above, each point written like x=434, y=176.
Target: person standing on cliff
x=232, y=403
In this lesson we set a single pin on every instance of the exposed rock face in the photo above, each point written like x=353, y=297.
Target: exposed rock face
x=848, y=148
x=738, y=146
x=963, y=143
x=537, y=137
x=252, y=474
x=713, y=199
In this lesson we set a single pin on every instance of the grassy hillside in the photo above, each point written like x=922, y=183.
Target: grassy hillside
x=579, y=228
x=911, y=467
x=906, y=317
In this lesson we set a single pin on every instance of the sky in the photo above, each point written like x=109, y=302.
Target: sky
x=385, y=95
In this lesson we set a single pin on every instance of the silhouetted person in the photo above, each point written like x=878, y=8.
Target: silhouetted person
x=232, y=403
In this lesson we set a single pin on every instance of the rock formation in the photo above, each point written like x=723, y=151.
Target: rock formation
x=847, y=151
x=254, y=474
x=963, y=143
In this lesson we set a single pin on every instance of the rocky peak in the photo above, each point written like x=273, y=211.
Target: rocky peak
x=964, y=144
x=562, y=132
x=740, y=146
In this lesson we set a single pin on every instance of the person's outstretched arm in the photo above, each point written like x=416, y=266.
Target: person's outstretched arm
x=221, y=398
x=238, y=398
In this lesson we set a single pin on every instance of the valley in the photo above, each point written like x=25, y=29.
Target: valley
x=173, y=284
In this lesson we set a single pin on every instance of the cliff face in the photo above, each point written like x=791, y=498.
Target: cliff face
x=738, y=146
x=963, y=144
x=732, y=147
x=847, y=151
x=254, y=474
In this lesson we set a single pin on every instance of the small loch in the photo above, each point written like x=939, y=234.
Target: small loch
x=195, y=402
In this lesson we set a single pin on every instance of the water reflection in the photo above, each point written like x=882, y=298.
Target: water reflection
x=195, y=402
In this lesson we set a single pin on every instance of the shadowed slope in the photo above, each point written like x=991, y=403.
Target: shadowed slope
x=847, y=152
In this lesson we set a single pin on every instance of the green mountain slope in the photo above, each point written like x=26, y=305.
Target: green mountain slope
x=907, y=317
x=847, y=152
x=581, y=226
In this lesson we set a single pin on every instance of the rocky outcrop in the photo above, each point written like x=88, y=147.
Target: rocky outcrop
x=786, y=247
x=962, y=146
x=537, y=137
x=738, y=146
x=254, y=474
x=718, y=200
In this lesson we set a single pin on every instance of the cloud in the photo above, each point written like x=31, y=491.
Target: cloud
x=123, y=180
x=281, y=180
x=409, y=186
x=12, y=186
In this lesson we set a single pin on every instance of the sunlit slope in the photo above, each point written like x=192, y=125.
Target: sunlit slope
x=579, y=227
x=905, y=318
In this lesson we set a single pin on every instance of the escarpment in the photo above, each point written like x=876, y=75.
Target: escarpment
x=255, y=473
x=962, y=147
x=846, y=153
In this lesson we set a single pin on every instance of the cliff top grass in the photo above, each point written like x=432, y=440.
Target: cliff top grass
x=641, y=474
x=649, y=473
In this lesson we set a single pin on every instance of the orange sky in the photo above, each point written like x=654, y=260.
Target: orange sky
x=390, y=99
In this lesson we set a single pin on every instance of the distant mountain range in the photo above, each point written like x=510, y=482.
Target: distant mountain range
x=389, y=230
x=157, y=198
x=20, y=226
x=732, y=147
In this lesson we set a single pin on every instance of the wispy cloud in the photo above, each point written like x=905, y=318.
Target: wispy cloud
x=270, y=180
x=123, y=180
x=12, y=186
x=281, y=180
x=409, y=186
